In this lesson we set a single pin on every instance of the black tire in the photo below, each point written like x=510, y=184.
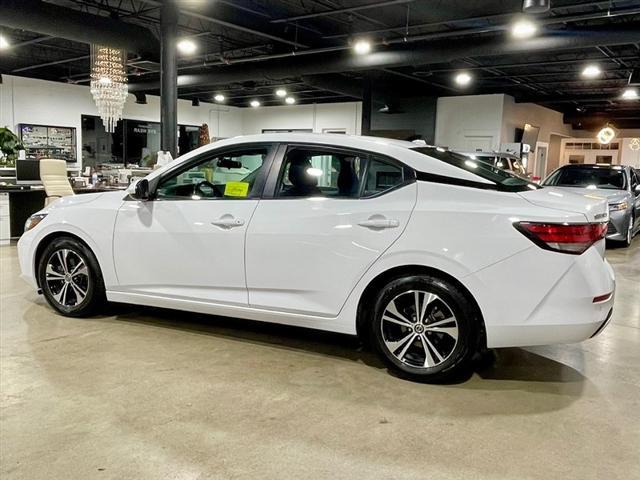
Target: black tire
x=445, y=358
x=628, y=235
x=70, y=302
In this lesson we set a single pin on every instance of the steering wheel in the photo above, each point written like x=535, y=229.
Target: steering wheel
x=216, y=189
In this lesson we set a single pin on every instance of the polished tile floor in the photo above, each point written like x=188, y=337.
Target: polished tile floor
x=152, y=394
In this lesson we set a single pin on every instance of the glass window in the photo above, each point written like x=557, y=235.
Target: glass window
x=313, y=173
x=230, y=175
x=588, y=177
x=504, y=179
x=382, y=176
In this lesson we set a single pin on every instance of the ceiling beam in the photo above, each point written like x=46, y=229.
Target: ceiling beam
x=337, y=11
x=56, y=21
x=234, y=26
x=404, y=55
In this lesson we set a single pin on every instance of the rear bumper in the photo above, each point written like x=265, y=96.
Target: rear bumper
x=549, y=301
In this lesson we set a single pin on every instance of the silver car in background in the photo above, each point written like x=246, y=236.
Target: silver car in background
x=619, y=184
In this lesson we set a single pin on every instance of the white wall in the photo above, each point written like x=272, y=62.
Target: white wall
x=316, y=117
x=28, y=100
x=469, y=122
x=515, y=115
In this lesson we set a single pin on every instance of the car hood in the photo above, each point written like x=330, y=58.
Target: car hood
x=591, y=205
x=612, y=196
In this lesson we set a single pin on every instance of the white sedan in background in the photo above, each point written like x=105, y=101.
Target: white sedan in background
x=427, y=255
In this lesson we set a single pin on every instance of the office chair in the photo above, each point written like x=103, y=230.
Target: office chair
x=53, y=174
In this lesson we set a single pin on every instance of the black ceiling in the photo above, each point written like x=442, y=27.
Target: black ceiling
x=252, y=37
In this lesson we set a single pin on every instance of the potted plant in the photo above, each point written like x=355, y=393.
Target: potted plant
x=10, y=145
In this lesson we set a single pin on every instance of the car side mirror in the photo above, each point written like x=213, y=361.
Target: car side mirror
x=142, y=190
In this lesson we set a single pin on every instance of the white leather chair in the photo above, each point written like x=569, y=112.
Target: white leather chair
x=53, y=174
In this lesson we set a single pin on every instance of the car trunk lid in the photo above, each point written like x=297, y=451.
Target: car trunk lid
x=592, y=205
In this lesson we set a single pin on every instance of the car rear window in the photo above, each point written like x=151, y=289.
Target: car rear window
x=503, y=179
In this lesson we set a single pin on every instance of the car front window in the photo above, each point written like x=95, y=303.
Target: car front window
x=589, y=177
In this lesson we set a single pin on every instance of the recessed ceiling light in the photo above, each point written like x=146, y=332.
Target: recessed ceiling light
x=290, y=100
x=219, y=98
x=630, y=94
x=362, y=47
x=281, y=92
x=255, y=103
x=187, y=46
x=523, y=29
x=463, y=79
x=591, y=71
x=4, y=43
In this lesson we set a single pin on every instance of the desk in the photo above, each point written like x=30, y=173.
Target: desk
x=25, y=200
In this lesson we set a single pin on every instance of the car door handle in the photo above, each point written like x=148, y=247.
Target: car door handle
x=228, y=221
x=379, y=223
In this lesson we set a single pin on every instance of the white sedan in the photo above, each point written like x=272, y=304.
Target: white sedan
x=425, y=254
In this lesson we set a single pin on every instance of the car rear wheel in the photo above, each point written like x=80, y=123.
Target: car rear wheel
x=425, y=328
x=70, y=277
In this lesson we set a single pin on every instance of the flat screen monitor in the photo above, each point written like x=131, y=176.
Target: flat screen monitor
x=530, y=135
x=28, y=172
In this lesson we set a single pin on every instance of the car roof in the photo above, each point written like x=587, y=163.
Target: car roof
x=339, y=139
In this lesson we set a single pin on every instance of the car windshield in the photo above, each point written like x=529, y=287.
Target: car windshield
x=504, y=179
x=588, y=177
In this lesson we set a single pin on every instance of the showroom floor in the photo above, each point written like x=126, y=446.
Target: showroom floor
x=160, y=394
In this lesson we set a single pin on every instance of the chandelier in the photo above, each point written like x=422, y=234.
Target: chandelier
x=109, y=83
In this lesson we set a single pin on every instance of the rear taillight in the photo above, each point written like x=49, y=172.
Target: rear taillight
x=573, y=238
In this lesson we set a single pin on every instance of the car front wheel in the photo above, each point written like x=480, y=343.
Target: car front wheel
x=425, y=328
x=70, y=277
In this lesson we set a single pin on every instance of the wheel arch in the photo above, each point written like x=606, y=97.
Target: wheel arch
x=47, y=239
x=386, y=276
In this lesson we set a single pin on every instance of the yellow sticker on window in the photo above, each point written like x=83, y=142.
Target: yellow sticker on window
x=236, y=189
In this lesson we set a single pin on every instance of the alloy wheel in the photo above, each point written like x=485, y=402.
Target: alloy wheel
x=67, y=277
x=419, y=329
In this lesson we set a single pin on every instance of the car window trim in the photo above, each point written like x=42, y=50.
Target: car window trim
x=277, y=169
x=258, y=187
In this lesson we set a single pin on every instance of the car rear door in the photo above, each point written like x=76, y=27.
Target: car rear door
x=330, y=215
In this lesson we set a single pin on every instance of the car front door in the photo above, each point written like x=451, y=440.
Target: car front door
x=188, y=241
x=332, y=214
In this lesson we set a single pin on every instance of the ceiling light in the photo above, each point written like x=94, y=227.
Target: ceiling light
x=187, y=46
x=255, y=103
x=281, y=92
x=591, y=71
x=463, y=79
x=290, y=100
x=362, y=47
x=4, y=43
x=219, y=98
x=523, y=29
x=606, y=135
x=536, y=6
x=630, y=94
